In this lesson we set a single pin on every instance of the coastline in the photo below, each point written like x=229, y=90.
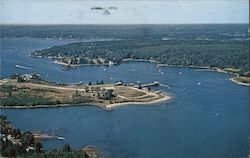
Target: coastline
x=165, y=98
x=216, y=69
x=109, y=106
x=139, y=60
x=239, y=83
x=66, y=95
x=80, y=65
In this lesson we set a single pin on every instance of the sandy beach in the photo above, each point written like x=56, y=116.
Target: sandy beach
x=109, y=106
x=240, y=83
x=165, y=98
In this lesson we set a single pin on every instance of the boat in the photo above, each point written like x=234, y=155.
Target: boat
x=108, y=108
x=20, y=66
x=61, y=138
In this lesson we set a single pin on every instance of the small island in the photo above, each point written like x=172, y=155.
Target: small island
x=30, y=91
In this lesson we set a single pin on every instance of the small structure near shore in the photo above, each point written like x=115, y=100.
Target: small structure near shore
x=118, y=83
x=155, y=83
x=28, y=77
x=42, y=135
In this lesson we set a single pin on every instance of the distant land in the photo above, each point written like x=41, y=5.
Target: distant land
x=222, y=48
x=210, y=53
x=178, y=31
x=217, y=46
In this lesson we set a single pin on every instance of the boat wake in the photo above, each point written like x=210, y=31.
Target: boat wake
x=22, y=67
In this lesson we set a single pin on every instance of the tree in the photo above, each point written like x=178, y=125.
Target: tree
x=38, y=147
x=16, y=133
x=108, y=94
x=66, y=148
x=3, y=117
x=76, y=94
x=13, y=151
x=26, y=139
x=149, y=88
x=139, y=86
x=20, y=79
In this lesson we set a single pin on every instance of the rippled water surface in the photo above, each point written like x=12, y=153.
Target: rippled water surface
x=209, y=119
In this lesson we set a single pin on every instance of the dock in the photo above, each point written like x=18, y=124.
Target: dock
x=155, y=83
x=43, y=135
x=108, y=108
x=46, y=136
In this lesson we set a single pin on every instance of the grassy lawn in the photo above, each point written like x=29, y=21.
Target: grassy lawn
x=128, y=92
x=242, y=79
x=232, y=70
x=13, y=93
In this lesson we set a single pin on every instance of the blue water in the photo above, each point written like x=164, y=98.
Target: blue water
x=206, y=120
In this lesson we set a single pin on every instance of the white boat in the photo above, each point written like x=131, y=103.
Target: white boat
x=22, y=67
x=60, y=138
x=108, y=108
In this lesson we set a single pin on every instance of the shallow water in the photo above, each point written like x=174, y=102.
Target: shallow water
x=209, y=119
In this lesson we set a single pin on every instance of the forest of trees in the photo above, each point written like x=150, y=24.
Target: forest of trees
x=26, y=140
x=191, y=31
x=214, y=53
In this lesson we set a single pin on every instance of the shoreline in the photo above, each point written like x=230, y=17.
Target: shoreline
x=139, y=60
x=40, y=106
x=239, y=83
x=151, y=96
x=80, y=65
x=165, y=98
x=216, y=69
x=109, y=106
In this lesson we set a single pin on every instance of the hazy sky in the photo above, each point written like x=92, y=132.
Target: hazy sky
x=127, y=12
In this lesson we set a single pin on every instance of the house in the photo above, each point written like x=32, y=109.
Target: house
x=105, y=93
x=111, y=63
x=119, y=83
x=102, y=60
x=28, y=77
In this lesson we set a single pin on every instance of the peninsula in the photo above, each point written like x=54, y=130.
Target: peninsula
x=217, y=55
x=29, y=91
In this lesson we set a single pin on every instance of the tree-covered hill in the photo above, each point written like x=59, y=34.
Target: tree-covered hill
x=234, y=54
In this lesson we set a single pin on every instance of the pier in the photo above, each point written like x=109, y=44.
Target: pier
x=43, y=135
x=155, y=83
x=46, y=136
